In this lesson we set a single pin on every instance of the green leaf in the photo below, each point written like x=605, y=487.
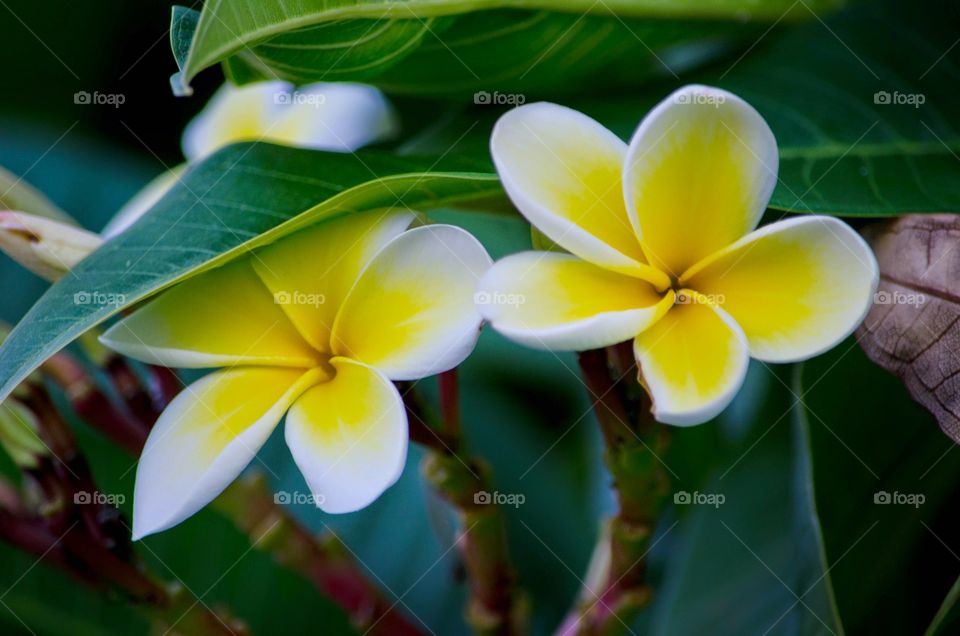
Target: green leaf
x=242, y=197
x=738, y=566
x=948, y=614
x=818, y=86
x=456, y=46
x=843, y=150
x=183, y=24
x=874, y=452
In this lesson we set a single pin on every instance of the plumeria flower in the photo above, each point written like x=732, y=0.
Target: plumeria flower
x=314, y=326
x=335, y=117
x=663, y=249
x=339, y=117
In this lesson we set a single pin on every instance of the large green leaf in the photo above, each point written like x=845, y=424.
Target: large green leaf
x=821, y=88
x=244, y=196
x=843, y=150
x=455, y=46
x=753, y=562
x=876, y=453
x=840, y=152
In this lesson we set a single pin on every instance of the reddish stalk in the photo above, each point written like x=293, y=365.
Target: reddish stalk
x=325, y=561
x=495, y=605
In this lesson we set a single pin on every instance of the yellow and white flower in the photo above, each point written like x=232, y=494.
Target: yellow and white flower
x=315, y=326
x=339, y=117
x=663, y=248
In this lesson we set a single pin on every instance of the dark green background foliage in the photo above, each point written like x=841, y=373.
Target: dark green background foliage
x=798, y=547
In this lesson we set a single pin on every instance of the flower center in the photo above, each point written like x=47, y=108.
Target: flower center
x=324, y=370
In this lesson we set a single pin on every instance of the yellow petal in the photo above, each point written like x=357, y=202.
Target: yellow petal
x=349, y=437
x=796, y=287
x=337, y=117
x=560, y=302
x=699, y=173
x=692, y=361
x=233, y=114
x=206, y=437
x=563, y=172
x=411, y=313
x=221, y=317
x=310, y=272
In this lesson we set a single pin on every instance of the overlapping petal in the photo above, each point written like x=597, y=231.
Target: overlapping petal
x=206, y=437
x=411, y=313
x=310, y=272
x=233, y=114
x=349, y=436
x=698, y=174
x=142, y=201
x=796, y=287
x=563, y=172
x=560, y=302
x=692, y=361
x=338, y=117
x=224, y=316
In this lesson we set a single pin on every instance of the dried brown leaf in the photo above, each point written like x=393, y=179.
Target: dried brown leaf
x=913, y=328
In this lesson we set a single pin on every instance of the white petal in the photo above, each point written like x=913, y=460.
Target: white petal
x=311, y=271
x=224, y=316
x=796, y=287
x=205, y=438
x=692, y=361
x=349, y=437
x=562, y=303
x=411, y=313
x=563, y=171
x=698, y=175
x=336, y=117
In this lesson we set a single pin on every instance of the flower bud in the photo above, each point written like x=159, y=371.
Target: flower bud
x=46, y=247
x=19, y=434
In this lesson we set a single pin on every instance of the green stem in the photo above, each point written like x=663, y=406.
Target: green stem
x=324, y=561
x=641, y=486
x=495, y=606
x=64, y=523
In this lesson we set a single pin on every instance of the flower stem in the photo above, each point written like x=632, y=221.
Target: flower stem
x=64, y=522
x=495, y=605
x=632, y=448
x=324, y=561
x=91, y=404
